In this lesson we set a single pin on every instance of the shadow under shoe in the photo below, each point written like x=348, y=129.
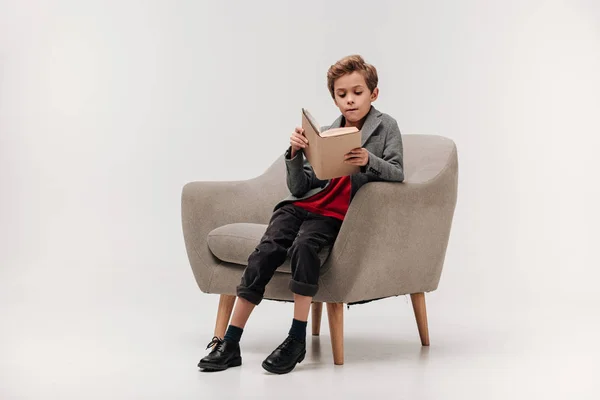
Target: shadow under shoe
x=225, y=354
x=285, y=357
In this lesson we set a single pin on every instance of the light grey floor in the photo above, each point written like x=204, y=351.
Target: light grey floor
x=138, y=334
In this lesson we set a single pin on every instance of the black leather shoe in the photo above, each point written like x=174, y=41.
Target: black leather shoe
x=285, y=357
x=224, y=355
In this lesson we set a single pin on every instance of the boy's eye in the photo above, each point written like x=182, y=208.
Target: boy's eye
x=344, y=94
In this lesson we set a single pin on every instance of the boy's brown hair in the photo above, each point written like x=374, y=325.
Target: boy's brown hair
x=349, y=64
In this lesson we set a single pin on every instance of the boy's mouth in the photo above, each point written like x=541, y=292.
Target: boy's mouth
x=352, y=109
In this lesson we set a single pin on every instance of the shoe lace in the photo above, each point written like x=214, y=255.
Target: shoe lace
x=284, y=346
x=216, y=341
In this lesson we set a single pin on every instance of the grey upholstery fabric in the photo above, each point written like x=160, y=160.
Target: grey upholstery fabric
x=393, y=240
x=235, y=242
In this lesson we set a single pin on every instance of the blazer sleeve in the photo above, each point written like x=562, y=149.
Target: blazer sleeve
x=300, y=177
x=389, y=167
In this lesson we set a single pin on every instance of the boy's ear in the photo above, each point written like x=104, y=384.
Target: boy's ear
x=374, y=94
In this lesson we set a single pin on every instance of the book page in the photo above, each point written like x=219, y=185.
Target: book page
x=339, y=131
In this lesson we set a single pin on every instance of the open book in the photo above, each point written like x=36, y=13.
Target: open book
x=325, y=151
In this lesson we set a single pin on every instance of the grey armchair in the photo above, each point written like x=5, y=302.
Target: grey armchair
x=392, y=242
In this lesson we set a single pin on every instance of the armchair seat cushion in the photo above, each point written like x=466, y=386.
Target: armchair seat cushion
x=233, y=243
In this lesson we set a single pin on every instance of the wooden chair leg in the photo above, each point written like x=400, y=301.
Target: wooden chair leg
x=335, y=315
x=317, y=311
x=418, y=302
x=226, y=303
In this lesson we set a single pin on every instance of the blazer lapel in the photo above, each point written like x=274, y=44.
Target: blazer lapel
x=371, y=123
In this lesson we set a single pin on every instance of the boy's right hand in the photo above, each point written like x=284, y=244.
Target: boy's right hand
x=298, y=140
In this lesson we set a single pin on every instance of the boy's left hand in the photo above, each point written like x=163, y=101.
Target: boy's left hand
x=358, y=156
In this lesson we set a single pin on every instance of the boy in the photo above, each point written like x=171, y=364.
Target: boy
x=311, y=217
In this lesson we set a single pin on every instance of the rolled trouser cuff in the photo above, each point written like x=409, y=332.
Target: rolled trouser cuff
x=247, y=294
x=303, y=289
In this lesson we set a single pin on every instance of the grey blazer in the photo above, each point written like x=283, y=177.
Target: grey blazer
x=382, y=139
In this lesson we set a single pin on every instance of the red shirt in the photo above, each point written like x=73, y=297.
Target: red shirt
x=331, y=202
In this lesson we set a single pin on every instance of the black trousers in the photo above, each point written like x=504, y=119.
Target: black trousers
x=299, y=233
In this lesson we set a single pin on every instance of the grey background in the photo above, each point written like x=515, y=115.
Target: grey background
x=108, y=108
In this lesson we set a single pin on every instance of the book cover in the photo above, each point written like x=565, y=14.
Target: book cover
x=325, y=151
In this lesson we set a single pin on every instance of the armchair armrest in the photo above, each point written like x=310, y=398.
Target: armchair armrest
x=208, y=205
x=394, y=237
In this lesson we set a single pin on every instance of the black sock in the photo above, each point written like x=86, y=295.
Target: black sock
x=298, y=329
x=233, y=334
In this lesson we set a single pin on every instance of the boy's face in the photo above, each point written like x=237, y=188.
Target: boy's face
x=352, y=96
